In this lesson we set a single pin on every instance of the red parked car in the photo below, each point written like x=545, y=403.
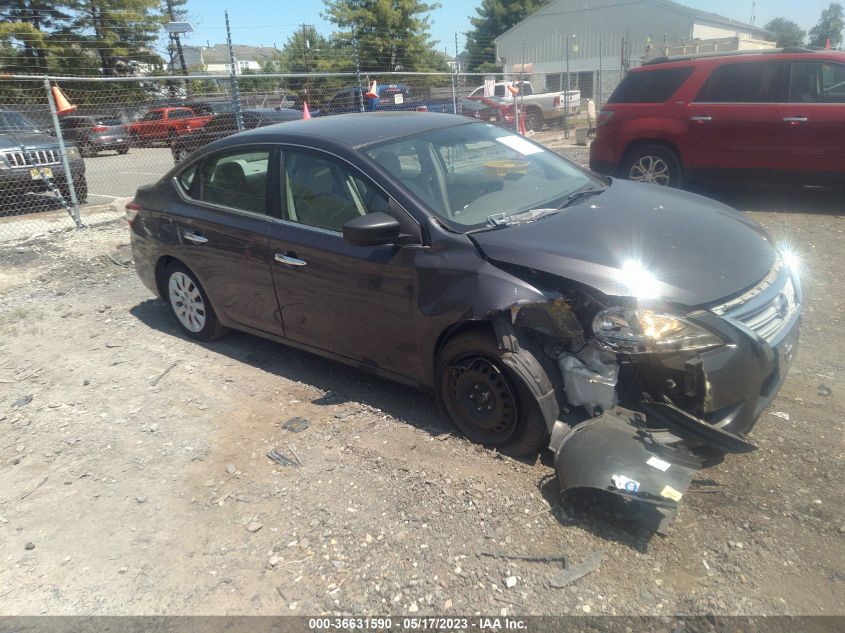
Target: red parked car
x=166, y=124
x=773, y=113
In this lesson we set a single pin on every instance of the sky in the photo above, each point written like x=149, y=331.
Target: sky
x=262, y=23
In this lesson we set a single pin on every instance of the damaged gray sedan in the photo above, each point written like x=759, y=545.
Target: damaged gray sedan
x=628, y=327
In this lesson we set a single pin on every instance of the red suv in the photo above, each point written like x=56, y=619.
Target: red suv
x=768, y=113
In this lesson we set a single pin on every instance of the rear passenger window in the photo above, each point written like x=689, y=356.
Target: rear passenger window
x=754, y=82
x=237, y=180
x=817, y=82
x=650, y=86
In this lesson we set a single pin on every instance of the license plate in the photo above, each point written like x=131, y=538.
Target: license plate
x=493, y=119
x=36, y=173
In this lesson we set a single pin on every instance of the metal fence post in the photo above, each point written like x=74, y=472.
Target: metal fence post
x=358, y=73
x=233, y=77
x=74, y=205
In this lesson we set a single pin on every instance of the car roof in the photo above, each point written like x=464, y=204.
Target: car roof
x=714, y=59
x=357, y=129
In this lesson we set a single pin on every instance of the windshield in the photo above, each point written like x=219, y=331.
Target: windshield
x=11, y=121
x=467, y=173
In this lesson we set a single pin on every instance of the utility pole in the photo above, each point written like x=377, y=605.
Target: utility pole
x=568, y=88
x=175, y=38
x=236, y=95
x=307, y=46
x=358, y=73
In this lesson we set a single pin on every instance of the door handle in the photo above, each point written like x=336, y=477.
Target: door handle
x=288, y=260
x=196, y=238
x=701, y=119
x=795, y=119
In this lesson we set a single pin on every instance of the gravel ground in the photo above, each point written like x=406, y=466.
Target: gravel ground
x=135, y=479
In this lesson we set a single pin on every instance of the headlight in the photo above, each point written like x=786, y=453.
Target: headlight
x=639, y=331
x=72, y=151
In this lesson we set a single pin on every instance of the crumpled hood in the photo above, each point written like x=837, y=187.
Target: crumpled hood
x=30, y=140
x=699, y=250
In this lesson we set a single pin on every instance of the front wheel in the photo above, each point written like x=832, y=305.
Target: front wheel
x=485, y=400
x=190, y=304
x=655, y=164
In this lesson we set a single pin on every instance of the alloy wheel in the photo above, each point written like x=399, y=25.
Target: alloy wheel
x=186, y=300
x=182, y=154
x=651, y=169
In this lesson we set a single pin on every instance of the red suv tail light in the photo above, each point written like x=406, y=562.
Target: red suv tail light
x=604, y=117
x=99, y=128
x=422, y=108
x=132, y=209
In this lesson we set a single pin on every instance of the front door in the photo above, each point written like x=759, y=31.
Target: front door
x=353, y=301
x=223, y=234
x=813, y=119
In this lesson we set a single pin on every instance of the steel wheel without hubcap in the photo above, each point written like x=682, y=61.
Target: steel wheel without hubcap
x=652, y=169
x=479, y=396
x=187, y=302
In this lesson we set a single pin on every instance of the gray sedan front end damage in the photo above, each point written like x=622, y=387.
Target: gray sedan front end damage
x=639, y=423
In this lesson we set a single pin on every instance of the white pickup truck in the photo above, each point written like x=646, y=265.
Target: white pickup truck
x=539, y=108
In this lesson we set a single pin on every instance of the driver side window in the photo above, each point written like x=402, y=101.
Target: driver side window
x=322, y=192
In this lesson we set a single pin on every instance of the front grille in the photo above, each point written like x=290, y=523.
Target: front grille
x=33, y=158
x=769, y=317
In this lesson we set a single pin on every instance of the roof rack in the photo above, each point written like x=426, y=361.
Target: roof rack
x=748, y=51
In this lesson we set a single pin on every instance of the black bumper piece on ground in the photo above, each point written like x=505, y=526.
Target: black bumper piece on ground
x=616, y=453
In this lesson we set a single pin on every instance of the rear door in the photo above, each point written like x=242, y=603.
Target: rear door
x=736, y=118
x=813, y=120
x=223, y=233
x=353, y=301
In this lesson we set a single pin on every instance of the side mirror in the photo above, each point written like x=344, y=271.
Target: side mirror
x=372, y=229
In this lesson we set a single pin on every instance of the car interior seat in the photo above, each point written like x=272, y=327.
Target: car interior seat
x=317, y=199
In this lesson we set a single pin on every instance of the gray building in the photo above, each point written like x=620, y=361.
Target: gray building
x=606, y=37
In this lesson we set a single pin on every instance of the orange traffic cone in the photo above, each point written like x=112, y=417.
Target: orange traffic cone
x=306, y=113
x=63, y=106
x=372, y=94
x=514, y=90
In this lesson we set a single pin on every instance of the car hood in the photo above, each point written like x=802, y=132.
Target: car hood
x=698, y=250
x=30, y=140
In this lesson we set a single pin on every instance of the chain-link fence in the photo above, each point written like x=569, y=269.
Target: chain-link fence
x=72, y=149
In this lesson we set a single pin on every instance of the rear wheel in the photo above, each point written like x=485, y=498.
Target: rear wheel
x=535, y=119
x=190, y=304
x=655, y=164
x=182, y=154
x=483, y=398
x=136, y=139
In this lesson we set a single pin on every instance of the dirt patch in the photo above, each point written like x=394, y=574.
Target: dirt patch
x=138, y=473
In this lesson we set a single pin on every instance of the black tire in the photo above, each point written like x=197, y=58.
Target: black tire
x=85, y=150
x=171, y=138
x=655, y=164
x=136, y=139
x=80, y=186
x=181, y=154
x=488, y=403
x=186, y=287
x=123, y=149
x=535, y=119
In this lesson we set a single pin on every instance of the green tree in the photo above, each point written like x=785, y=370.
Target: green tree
x=25, y=32
x=393, y=35
x=829, y=27
x=119, y=32
x=786, y=32
x=493, y=18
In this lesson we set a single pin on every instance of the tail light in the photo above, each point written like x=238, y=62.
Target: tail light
x=557, y=101
x=604, y=117
x=99, y=128
x=421, y=108
x=132, y=209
